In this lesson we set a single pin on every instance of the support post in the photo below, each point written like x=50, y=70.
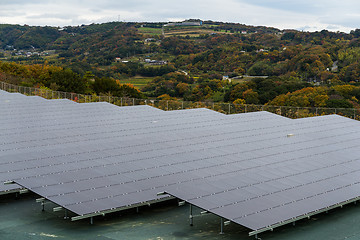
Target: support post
x=43, y=206
x=91, y=221
x=191, y=216
x=66, y=214
x=221, y=226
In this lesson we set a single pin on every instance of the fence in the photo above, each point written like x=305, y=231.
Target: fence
x=227, y=108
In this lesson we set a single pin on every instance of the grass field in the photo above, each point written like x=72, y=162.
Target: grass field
x=150, y=31
x=191, y=31
x=138, y=82
x=245, y=79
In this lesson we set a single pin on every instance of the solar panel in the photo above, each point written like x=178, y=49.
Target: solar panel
x=92, y=158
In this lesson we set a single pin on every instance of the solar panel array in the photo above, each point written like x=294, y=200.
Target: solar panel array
x=255, y=169
x=284, y=178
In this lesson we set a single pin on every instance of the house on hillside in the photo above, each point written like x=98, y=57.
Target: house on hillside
x=155, y=62
x=150, y=40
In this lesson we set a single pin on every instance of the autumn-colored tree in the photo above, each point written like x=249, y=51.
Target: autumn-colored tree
x=307, y=97
x=250, y=96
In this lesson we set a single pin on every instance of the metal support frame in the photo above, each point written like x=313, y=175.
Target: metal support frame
x=58, y=209
x=42, y=201
x=23, y=191
x=17, y=190
x=223, y=223
x=221, y=226
x=9, y=182
x=10, y=191
x=271, y=227
x=308, y=215
x=43, y=205
x=103, y=213
x=191, y=217
x=169, y=197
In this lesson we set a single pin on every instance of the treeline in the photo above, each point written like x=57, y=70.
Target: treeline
x=132, y=69
x=64, y=79
x=309, y=62
x=27, y=37
x=277, y=91
x=295, y=62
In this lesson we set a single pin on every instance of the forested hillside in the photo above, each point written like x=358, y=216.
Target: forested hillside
x=211, y=61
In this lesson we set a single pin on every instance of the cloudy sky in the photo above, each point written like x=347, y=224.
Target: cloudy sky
x=308, y=15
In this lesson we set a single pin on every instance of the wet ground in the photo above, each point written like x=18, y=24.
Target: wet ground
x=22, y=218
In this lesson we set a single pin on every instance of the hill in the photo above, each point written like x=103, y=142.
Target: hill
x=193, y=60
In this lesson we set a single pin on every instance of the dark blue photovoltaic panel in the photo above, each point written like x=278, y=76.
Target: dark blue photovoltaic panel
x=246, y=167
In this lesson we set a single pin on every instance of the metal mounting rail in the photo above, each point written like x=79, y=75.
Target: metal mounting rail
x=103, y=213
x=308, y=215
x=11, y=191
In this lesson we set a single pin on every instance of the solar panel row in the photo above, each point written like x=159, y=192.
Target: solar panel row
x=255, y=169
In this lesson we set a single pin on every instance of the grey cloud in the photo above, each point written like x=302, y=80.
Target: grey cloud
x=304, y=6
x=20, y=2
x=53, y=16
x=276, y=13
x=349, y=23
x=11, y=13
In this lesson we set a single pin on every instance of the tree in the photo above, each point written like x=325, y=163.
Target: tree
x=260, y=69
x=306, y=97
x=68, y=81
x=251, y=97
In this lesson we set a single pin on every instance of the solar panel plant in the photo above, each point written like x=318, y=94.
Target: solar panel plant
x=259, y=170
